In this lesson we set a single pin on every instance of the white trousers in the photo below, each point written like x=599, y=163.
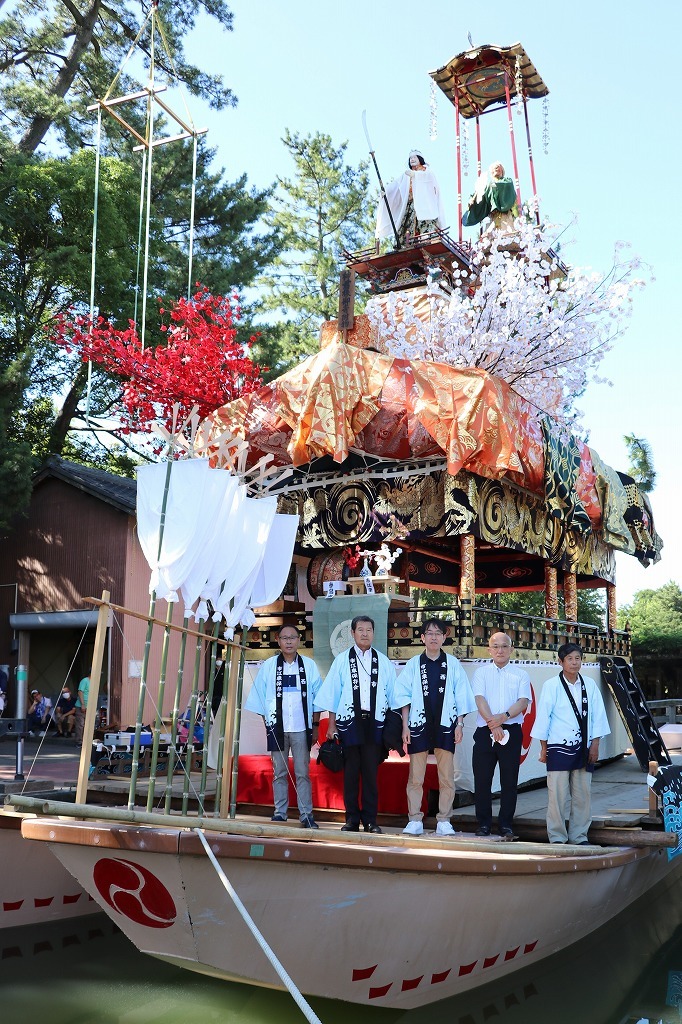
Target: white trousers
x=569, y=796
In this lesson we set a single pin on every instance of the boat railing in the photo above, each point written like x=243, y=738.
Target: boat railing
x=471, y=626
x=667, y=711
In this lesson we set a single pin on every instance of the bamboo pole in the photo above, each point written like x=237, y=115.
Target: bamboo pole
x=222, y=719
x=175, y=714
x=192, y=721
x=228, y=826
x=235, y=741
x=158, y=723
x=231, y=702
x=93, y=698
x=207, y=718
x=148, y=643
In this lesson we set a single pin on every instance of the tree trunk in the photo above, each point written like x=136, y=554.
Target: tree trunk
x=40, y=125
x=62, y=424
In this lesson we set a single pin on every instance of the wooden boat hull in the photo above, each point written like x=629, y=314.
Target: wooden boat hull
x=34, y=887
x=365, y=923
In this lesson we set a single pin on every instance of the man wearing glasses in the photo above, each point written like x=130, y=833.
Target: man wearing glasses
x=503, y=696
x=434, y=695
x=283, y=694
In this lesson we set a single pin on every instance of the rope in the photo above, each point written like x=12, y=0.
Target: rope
x=150, y=144
x=139, y=233
x=129, y=53
x=298, y=998
x=51, y=716
x=191, y=218
x=93, y=261
x=173, y=748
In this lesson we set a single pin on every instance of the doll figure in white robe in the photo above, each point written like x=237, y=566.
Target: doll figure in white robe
x=415, y=202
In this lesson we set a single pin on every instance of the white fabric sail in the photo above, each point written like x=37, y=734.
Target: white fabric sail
x=248, y=539
x=266, y=582
x=218, y=544
x=214, y=560
x=191, y=504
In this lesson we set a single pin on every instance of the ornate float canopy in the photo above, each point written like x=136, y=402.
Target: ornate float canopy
x=481, y=77
x=419, y=452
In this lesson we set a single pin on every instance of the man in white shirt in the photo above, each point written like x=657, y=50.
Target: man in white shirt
x=357, y=693
x=571, y=720
x=503, y=695
x=284, y=693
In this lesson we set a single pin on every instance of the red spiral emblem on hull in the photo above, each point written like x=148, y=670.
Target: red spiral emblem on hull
x=134, y=892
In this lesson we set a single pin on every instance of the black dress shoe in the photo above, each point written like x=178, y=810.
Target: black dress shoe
x=350, y=827
x=278, y=817
x=309, y=822
x=373, y=828
x=483, y=831
x=508, y=835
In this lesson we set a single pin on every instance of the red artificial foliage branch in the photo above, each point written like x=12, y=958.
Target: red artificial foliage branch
x=198, y=361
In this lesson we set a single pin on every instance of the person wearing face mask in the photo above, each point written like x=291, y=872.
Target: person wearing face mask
x=434, y=695
x=283, y=694
x=503, y=696
x=415, y=202
x=571, y=720
x=65, y=713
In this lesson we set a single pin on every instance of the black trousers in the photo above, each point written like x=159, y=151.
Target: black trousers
x=360, y=790
x=485, y=757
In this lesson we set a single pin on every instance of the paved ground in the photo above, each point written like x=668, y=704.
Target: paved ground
x=46, y=760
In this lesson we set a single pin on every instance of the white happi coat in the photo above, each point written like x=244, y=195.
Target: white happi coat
x=262, y=698
x=457, y=700
x=336, y=693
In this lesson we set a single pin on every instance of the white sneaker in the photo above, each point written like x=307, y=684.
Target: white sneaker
x=413, y=828
x=444, y=828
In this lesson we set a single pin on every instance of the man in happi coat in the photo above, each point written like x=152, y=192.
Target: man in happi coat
x=571, y=720
x=284, y=693
x=503, y=695
x=357, y=693
x=434, y=695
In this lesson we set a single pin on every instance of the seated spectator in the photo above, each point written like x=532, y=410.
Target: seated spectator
x=38, y=712
x=65, y=713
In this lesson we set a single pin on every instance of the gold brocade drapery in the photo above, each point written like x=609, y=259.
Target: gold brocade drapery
x=329, y=399
x=346, y=400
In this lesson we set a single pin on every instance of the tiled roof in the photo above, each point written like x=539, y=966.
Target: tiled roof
x=115, y=490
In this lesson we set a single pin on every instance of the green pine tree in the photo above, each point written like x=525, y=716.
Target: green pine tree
x=322, y=210
x=641, y=467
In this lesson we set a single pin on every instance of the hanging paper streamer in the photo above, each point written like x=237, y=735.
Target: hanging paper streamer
x=433, y=119
x=465, y=146
x=518, y=85
x=545, y=124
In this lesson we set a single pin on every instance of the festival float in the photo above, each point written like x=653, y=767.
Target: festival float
x=430, y=443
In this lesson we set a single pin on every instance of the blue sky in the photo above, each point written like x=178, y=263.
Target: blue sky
x=612, y=69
